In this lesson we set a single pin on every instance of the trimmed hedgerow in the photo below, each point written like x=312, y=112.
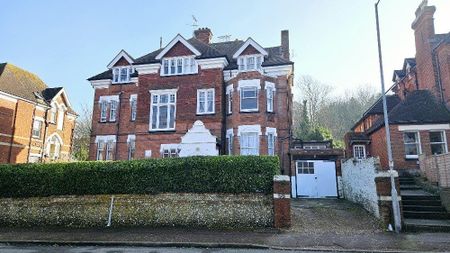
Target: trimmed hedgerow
x=219, y=174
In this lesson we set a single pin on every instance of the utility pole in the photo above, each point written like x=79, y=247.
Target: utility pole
x=394, y=196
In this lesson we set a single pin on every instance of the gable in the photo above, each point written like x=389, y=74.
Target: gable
x=179, y=50
x=122, y=62
x=174, y=42
x=247, y=46
x=250, y=50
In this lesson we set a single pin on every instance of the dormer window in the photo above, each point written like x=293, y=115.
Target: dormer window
x=122, y=74
x=179, y=66
x=250, y=62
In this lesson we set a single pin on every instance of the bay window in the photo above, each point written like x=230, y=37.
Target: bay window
x=163, y=106
x=412, y=144
x=438, y=142
x=179, y=66
x=205, y=101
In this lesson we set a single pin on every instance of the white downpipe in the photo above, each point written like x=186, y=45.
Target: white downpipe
x=110, y=211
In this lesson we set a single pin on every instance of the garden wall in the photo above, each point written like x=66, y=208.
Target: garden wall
x=167, y=209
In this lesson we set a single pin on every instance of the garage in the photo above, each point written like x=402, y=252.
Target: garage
x=315, y=179
x=315, y=169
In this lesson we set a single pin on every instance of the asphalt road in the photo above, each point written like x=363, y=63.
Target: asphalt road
x=102, y=249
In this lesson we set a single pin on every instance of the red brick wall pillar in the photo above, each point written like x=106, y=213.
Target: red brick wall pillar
x=383, y=184
x=282, y=201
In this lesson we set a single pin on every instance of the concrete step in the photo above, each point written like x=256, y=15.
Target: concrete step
x=427, y=215
x=410, y=187
x=434, y=208
x=421, y=202
x=412, y=196
x=418, y=225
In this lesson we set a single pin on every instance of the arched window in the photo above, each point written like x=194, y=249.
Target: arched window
x=53, y=147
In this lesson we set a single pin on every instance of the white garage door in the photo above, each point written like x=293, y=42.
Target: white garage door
x=316, y=179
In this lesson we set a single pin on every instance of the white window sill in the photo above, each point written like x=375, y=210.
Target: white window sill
x=128, y=81
x=249, y=110
x=162, y=130
x=205, y=113
x=412, y=156
x=179, y=74
x=250, y=70
x=36, y=137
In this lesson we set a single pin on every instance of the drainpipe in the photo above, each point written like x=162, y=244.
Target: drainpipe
x=13, y=133
x=45, y=135
x=31, y=132
x=118, y=123
x=224, y=117
x=438, y=73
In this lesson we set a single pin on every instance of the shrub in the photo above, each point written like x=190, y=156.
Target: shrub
x=219, y=174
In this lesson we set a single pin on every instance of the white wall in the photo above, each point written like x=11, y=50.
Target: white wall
x=358, y=183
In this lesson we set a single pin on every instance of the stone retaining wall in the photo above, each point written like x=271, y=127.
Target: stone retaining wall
x=169, y=209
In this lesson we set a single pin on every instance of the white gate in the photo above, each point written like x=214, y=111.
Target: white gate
x=316, y=178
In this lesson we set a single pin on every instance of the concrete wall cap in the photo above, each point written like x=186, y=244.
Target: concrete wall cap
x=280, y=178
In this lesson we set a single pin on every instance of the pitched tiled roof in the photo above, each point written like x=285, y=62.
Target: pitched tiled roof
x=219, y=49
x=377, y=107
x=419, y=107
x=358, y=137
x=21, y=83
x=26, y=85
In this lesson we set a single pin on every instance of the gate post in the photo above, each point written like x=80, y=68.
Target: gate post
x=281, y=201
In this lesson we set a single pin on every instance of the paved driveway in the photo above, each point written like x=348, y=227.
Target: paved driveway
x=335, y=216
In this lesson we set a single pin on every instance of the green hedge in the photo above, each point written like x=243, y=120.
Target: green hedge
x=219, y=174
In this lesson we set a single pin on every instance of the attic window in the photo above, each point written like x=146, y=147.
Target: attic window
x=122, y=74
x=250, y=62
x=179, y=66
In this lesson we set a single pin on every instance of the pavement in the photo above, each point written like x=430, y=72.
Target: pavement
x=327, y=225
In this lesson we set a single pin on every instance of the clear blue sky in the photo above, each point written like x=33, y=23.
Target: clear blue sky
x=65, y=42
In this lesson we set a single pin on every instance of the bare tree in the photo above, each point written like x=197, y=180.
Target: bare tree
x=316, y=94
x=82, y=133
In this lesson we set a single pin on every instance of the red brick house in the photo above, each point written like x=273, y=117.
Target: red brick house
x=418, y=110
x=195, y=97
x=37, y=122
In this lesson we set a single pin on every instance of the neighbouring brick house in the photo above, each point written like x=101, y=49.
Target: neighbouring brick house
x=418, y=110
x=195, y=97
x=37, y=122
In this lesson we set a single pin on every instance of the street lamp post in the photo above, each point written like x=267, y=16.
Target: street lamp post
x=394, y=196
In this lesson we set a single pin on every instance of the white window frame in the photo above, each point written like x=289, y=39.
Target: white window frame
x=133, y=107
x=103, y=111
x=229, y=97
x=113, y=107
x=270, y=93
x=188, y=66
x=41, y=122
x=206, y=106
x=242, y=98
x=243, y=62
x=444, y=142
x=418, y=143
x=109, y=152
x=230, y=138
x=356, y=152
x=158, y=94
x=247, y=150
x=271, y=134
x=117, y=74
x=131, y=146
x=100, y=150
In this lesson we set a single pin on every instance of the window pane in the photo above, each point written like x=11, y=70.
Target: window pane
x=154, y=116
x=251, y=63
x=172, y=66
x=249, y=92
x=409, y=137
x=436, y=137
x=164, y=98
x=210, y=101
x=163, y=117
x=172, y=98
x=155, y=99
x=193, y=70
x=249, y=103
x=201, y=101
x=179, y=66
x=123, y=74
x=166, y=67
x=437, y=149
x=172, y=117
x=187, y=65
x=411, y=149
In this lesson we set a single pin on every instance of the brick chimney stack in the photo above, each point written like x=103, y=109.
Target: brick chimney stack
x=423, y=27
x=285, y=44
x=204, y=35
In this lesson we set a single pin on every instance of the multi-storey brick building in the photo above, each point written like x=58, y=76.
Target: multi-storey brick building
x=418, y=111
x=37, y=122
x=195, y=97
